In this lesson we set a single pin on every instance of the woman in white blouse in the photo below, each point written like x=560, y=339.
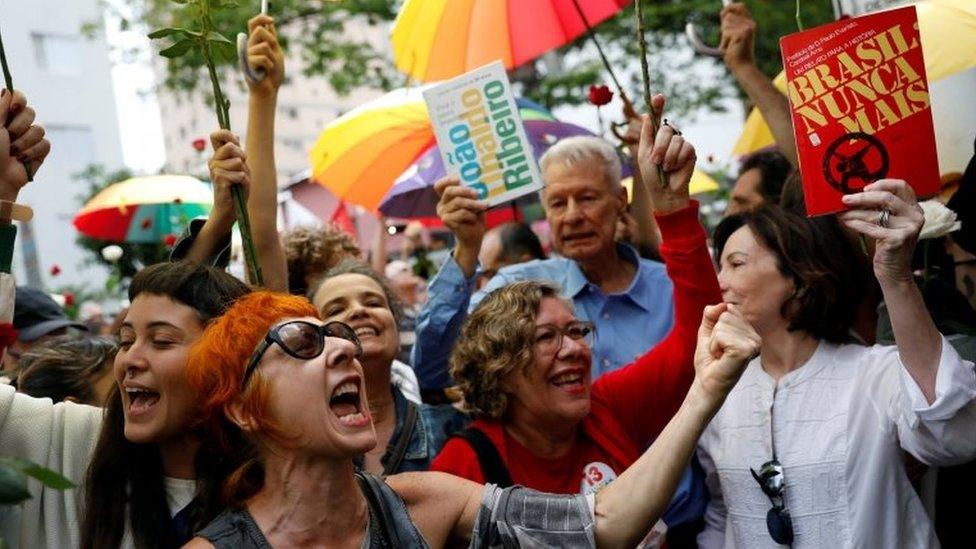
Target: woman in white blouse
x=808, y=449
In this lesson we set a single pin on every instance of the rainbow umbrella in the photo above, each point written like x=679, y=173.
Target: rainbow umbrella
x=360, y=154
x=144, y=209
x=440, y=39
x=948, y=30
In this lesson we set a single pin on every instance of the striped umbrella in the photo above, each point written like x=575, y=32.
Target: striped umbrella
x=144, y=209
x=440, y=39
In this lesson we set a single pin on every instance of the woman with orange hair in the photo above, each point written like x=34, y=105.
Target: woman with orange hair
x=292, y=415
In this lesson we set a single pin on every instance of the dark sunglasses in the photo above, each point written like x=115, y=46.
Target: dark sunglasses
x=772, y=481
x=301, y=339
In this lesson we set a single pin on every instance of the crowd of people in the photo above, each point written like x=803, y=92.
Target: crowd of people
x=644, y=382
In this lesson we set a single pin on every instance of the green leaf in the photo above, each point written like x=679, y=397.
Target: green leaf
x=47, y=477
x=168, y=31
x=217, y=38
x=224, y=52
x=178, y=49
x=13, y=486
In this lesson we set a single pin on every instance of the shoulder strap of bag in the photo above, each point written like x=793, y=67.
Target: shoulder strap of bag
x=492, y=466
x=381, y=519
x=396, y=456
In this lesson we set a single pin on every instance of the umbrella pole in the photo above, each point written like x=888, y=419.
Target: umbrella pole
x=606, y=63
x=645, y=72
x=9, y=82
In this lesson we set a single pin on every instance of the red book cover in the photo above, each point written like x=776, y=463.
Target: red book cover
x=859, y=100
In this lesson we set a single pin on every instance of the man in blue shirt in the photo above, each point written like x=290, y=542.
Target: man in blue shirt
x=628, y=298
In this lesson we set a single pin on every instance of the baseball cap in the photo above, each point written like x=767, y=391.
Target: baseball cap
x=36, y=315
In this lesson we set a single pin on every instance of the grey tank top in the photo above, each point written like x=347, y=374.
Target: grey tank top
x=390, y=525
x=513, y=517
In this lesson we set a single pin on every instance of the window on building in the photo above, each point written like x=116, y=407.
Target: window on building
x=58, y=53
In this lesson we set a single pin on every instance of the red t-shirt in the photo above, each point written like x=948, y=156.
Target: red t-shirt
x=629, y=406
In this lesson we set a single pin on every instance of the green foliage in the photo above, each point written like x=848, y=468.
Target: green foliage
x=134, y=256
x=202, y=45
x=317, y=29
x=13, y=479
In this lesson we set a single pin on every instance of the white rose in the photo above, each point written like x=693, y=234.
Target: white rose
x=939, y=220
x=112, y=253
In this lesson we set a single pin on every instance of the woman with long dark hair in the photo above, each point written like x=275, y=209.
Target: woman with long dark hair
x=141, y=473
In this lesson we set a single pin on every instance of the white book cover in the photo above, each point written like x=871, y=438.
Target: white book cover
x=480, y=134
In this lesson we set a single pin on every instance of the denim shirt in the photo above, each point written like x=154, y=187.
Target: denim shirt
x=435, y=423
x=627, y=323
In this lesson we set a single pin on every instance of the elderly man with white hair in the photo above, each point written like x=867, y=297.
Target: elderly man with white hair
x=627, y=298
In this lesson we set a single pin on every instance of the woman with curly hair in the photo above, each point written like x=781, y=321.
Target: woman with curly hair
x=311, y=251
x=292, y=386
x=523, y=364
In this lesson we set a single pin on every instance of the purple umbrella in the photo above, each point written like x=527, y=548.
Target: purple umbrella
x=412, y=195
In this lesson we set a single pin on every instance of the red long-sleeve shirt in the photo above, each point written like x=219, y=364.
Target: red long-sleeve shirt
x=629, y=406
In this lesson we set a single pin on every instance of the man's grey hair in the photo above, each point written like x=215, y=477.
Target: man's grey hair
x=581, y=148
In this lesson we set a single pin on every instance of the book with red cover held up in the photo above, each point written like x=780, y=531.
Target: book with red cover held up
x=859, y=100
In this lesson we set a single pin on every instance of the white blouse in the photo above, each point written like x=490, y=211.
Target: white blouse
x=839, y=424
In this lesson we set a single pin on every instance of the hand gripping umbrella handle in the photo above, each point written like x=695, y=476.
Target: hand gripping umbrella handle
x=252, y=75
x=691, y=31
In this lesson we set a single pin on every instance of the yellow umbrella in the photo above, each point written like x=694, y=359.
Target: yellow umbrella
x=701, y=182
x=948, y=29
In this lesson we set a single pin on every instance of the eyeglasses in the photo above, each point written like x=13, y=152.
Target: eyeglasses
x=549, y=337
x=301, y=339
x=772, y=481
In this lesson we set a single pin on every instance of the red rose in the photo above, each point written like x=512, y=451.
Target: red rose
x=55, y=270
x=170, y=240
x=199, y=144
x=69, y=299
x=146, y=223
x=600, y=95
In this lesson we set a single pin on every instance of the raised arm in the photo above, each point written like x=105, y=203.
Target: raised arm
x=449, y=293
x=227, y=168
x=896, y=232
x=449, y=509
x=648, y=239
x=738, y=45
x=264, y=52
x=645, y=394
x=22, y=147
x=627, y=508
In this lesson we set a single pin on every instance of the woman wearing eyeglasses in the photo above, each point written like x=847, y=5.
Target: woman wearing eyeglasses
x=808, y=449
x=410, y=434
x=523, y=366
x=284, y=396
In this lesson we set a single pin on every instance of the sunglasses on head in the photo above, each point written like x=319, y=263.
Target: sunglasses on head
x=773, y=482
x=301, y=339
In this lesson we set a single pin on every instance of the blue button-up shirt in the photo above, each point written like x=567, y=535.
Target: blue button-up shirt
x=627, y=324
